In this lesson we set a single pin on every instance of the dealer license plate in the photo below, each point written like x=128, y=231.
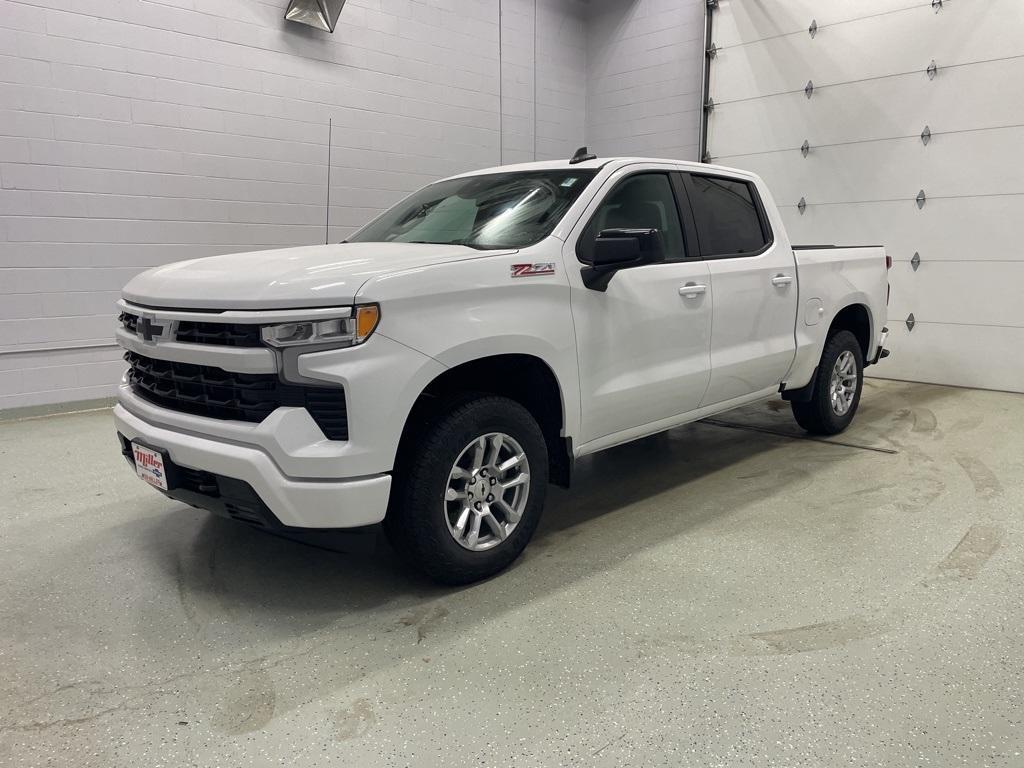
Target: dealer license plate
x=149, y=465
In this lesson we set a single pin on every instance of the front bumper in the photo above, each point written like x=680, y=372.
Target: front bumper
x=292, y=502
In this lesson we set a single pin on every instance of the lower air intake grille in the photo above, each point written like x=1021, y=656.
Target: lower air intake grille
x=206, y=391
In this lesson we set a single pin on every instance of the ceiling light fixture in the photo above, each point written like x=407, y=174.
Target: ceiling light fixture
x=320, y=14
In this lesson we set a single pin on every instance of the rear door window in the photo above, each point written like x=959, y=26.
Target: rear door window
x=727, y=214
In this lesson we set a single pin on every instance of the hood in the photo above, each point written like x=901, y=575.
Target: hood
x=310, y=276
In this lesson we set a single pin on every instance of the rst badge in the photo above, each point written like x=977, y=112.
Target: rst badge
x=533, y=270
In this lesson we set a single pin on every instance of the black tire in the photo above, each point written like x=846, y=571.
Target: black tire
x=818, y=415
x=416, y=523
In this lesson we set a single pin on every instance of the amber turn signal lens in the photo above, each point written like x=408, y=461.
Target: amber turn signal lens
x=367, y=318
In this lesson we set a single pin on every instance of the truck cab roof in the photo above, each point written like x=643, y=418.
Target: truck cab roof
x=596, y=164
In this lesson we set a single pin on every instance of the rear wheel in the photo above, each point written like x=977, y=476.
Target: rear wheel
x=837, y=387
x=466, y=501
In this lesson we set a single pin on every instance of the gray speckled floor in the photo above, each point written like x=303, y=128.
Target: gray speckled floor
x=710, y=597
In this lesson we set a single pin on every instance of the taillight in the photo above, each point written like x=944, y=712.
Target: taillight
x=888, y=288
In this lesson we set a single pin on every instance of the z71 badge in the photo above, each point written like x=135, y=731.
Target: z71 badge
x=533, y=270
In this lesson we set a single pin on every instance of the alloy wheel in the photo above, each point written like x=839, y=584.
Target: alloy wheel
x=487, y=491
x=843, y=384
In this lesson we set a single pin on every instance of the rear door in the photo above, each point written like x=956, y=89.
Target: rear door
x=753, y=277
x=643, y=343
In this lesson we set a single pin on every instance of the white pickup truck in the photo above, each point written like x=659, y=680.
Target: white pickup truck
x=439, y=368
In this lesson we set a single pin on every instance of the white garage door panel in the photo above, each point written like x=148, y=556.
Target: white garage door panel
x=745, y=21
x=855, y=172
x=899, y=42
x=978, y=293
x=867, y=161
x=959, y=99
x=962, y=355
x=889, y=170
x=966, y=229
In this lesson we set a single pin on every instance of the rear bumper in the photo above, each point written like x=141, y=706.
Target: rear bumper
x=291, y=502
x=881, y=352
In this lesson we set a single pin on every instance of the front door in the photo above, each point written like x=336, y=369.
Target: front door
x=643, y=343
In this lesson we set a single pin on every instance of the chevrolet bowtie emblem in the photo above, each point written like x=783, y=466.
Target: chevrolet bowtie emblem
x=147, y=330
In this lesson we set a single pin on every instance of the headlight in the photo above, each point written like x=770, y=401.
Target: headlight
x=339, y=331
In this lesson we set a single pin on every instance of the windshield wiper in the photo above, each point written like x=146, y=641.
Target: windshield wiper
x=474, y=246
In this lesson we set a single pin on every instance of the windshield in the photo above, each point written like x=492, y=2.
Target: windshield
x=500, y=210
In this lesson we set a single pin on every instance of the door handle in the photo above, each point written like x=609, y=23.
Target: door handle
x=782, y=280
x=692, y=290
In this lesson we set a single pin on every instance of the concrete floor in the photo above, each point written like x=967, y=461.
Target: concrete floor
x=711, y=597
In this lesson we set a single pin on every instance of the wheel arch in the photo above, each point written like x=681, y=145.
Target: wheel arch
x=526, y=378
x=855, y=318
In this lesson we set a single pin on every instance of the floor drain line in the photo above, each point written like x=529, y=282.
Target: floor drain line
x=766, y=431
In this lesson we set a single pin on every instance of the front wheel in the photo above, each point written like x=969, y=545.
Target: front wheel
x=466, y=501
x=837, y=387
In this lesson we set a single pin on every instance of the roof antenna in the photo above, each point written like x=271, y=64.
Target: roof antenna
x=581, y=156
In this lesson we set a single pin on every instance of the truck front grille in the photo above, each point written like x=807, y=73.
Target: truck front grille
x=224, y=334
x=195, y=332
x=215, y=393
x=129, y=321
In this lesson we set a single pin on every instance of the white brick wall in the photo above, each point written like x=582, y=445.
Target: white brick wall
x=543, y=116
x=138, y=132
x=644, y=65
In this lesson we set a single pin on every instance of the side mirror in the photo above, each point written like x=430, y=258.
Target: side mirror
x=616, y=249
